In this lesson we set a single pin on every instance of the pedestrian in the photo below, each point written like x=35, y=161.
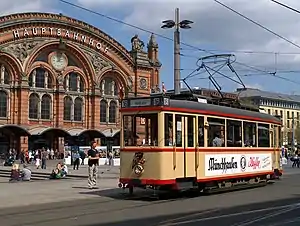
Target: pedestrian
x=82, y=156
x=93, y=163
x=44, y=155
x=76, y=160
x=37, y=162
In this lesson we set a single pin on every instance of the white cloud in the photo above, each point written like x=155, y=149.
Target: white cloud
x=219, y=28
x=21, y=6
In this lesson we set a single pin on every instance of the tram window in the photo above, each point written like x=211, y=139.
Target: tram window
x=200, y=131
x=263, y=135
x=130, y=137
x=272, y=136
x=191, y=131
x=234, y=133
x=249, y=134
x=216, y=132
x=169, y=130
x=178, y=129
x=140, y=130
x=279, y=136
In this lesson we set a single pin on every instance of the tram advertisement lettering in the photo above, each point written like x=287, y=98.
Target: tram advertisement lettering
x=230, y=164
x=224, y=164
x=254, y=162
x=266, y=162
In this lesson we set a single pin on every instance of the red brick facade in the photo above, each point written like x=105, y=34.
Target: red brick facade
x=61, y=77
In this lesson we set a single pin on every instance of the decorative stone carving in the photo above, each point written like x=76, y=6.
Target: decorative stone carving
x=21, y=50
x=137, y=44
x=97, y=62
x=60, y=79
x=130, y=83
x=143, y=83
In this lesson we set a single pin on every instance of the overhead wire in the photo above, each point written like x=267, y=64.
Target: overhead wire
x=258, y=24
x=171, y=39
x=285, y=6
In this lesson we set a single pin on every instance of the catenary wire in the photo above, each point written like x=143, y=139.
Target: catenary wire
x=171, y=39
x=258, y=24
x=286, y=6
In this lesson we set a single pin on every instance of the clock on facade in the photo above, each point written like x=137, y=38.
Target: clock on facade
x=58, y=61
x=143, y=83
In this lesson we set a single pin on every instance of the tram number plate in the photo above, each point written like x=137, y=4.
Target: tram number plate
x=136, y=181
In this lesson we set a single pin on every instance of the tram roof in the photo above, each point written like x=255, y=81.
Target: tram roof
x=189, y=106
x=221, y=110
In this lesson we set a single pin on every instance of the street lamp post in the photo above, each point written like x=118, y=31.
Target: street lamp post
x=184, y=24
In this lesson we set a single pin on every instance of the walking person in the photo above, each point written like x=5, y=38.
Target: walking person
x=82, y=156
x=76, y=160
x=44, y=155
x=93, y=163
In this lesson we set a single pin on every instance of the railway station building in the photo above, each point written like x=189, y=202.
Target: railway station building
x=61, y=81
x=277, y=104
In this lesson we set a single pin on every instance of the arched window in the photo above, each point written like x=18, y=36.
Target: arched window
x=68, y=108
x=78, y=109
x=103, y=110
x=40, y=78
x=34, y=101
x=74, y=82
x=3, y=104
x=5, y=77
x=109, y=87
x=46, y=107
x=112, y=112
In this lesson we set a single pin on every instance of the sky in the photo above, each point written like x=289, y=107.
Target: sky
x=262, y=60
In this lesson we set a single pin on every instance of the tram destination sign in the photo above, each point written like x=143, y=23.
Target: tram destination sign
x=145, y=102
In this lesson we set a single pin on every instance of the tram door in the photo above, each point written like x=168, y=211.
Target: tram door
x=185, y=129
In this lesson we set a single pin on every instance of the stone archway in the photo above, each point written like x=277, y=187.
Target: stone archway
x=13, y=137
x=48, y=137
x=83, y=137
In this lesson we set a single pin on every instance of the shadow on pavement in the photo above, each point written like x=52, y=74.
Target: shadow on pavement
x=140, y=194
x=150, y=195
x=279, y=212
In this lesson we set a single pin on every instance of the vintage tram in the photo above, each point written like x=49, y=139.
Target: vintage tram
x=186, y=143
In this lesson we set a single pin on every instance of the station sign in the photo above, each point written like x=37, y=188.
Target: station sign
x=230, y=164
x=59, y=33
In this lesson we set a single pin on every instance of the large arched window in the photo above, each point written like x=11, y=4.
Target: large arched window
x=34, y=106
x=68, y=108
x=103, y=110
x=74, y=82
x=40, y=78
x=46, y=107
x=3, y=104
x=109, y=87
x=4, y=76
x=112, y=112
x=78, y=103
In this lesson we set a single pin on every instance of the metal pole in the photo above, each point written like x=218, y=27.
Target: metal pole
x=177, y=54
x=293, y=134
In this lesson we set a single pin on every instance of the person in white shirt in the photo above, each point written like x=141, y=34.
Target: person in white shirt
x=64, y=170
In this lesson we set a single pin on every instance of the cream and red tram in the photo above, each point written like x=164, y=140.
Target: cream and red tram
x=180, y=144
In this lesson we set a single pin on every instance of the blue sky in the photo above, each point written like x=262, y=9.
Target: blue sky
x=215, y=28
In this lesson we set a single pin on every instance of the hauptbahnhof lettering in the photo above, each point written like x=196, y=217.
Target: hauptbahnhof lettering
x=58, y=33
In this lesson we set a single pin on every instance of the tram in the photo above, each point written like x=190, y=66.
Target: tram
x=177, y=143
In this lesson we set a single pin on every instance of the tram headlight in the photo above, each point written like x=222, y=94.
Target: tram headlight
x=138, y=169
